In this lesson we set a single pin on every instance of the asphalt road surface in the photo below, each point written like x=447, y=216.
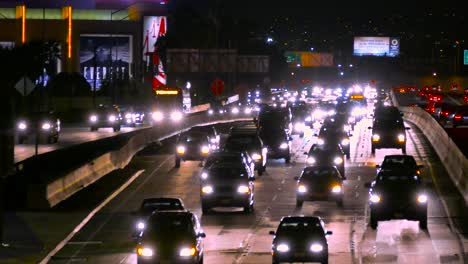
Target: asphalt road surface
x=233, y=237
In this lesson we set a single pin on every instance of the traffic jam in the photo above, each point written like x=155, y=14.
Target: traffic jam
x=165, y=231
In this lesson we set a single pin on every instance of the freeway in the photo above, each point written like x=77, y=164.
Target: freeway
x=68, y=137
x=234, y=237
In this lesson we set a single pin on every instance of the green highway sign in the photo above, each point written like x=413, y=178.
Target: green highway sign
x=465, y=57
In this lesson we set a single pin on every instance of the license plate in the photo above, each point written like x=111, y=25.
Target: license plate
x=299, y=255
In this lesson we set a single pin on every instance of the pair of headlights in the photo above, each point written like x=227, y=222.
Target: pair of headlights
x=183, y=252
x=375, y=198
x=314, y=247
x=208, y=189
x=336, y=161
x=335, y=188
x=45, y=126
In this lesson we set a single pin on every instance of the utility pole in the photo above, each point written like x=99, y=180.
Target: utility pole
x=94, y=76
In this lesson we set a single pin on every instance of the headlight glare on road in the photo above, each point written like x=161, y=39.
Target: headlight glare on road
x=205, y=149
x=22, y=126
x=181, y=150
x=376, y=138
x=207, y=189
x=374, y=198
x=422, y=198
x=243, y=189
x=256, y=156
x=282, y=248
x=301, y=188
x=316, y=247
x=145, y=252
x=311, y=160
x=140, y=226
x=336, y=189
x=299, y=126
x=338, y=160
x=93, y=118
x=187, y=252
x=235, y=110
x=112, y=118
x=401, y=138
x=284, y=145
x=46, y=126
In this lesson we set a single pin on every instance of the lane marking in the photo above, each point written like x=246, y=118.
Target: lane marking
x=88, y=218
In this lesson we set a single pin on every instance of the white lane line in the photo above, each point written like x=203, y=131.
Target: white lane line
x=88, y=218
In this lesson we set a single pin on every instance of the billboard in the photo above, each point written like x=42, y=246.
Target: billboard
x=101, y=56
x=154, y=53
x=376, y=46
x=308, y=59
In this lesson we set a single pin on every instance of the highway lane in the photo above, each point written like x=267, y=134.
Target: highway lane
x=233, y=237
x=68, y=137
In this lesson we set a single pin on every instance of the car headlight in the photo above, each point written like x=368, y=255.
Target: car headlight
x=157, y=116
x=145, y=252
x=345, y=142
x=207, y=189
x=210, y=112
x=93, y=118
x=316, y=247
x=187, y=252
x=401, y=138
x=180, y=149
x=204, y=175
x=22, y=126
x=376, y=138
x=235, y=110
x=248, y=110
x=301, y=188
x=284, y=145
x=311, y=160
x=205, y=149
x=256, y=156
x=374, y=198
x=128, y=116
x=221, y=111
x=338, y=160
x=46, y=126
x=140, y=226
x=320, y=141
x=422, y=198
x=112, y=118
x=308, y=119
x=336, y=189
x=282, y=248
x=176, y=116
x=243, y=189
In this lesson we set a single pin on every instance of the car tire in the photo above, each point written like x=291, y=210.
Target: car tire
x=423, y=223
x=287, y=160
x=21, y=140
x=116, y=128
x=248, y=209
x=324, y=260
x=201, y=260
x=299, y=203
x=348, y=156
x=205, y=209
x=93, y=129
x=373, y=221
x=403, y=150
x=373, y=150
x=339, y=202
x=177, y=163
x=273, y=261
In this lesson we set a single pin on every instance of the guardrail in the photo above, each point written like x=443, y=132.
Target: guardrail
x=452, y=158
x=45, y=190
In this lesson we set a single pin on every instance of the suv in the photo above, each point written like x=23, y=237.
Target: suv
x=45, y=124
x=276, y=118
x=192, y=146
x=397, y=194
x=388, y=130
x=227, y=184
x=278, y=143
x=324, y=155
x=211, y=132
x=246, y=138
x=105, y=116
x=223, y=156
x=393, y=162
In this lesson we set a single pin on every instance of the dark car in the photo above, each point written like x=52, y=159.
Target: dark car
x=42, y=124
x=394, y=162
x=171, y=237
x=152, y=205
x=300, y=239
x=324, y=155
x=276, y=118
x=278, y=143
x=397, y=194
x=105, y=116
x=192, y=145
x=388, y=130
x=300, y=112
x=227, y=185
x=319, y=183
x=246, y=138
x=459, y=117
x=226, y=156
x=211, y=132
x=334, y=132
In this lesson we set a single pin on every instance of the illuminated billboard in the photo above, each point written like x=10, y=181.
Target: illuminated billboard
x=308, y=59
x=102, y=55
x=376, y=46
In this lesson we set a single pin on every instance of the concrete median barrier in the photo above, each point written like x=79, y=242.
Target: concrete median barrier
x=47, y=190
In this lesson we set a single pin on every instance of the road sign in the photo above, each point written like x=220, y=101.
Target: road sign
x=465, y=57
x=217, y=87
x=24, y=86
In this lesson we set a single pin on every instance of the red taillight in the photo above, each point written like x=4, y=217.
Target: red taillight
x=457, y=117
x=446, y=113
x=433, y=110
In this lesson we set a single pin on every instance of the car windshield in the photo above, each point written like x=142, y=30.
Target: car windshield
x=319, y=173
x=325, y=148
x=300, y=227
x=398, y=178
x=396, y=161
x=151, y=205
x=168, y=225
x=193, y=138
x=227, y=172
x=238, y=142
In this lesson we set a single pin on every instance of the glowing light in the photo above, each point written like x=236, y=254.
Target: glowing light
x=167, y=92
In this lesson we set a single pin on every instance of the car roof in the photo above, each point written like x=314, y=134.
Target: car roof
x=297, y=218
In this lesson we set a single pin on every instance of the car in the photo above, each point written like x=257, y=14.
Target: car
x=335, y=132
x=246, y=138
x=318, y=183
x=227, y=185
x=397, y=194
x=273, y=118
x=392, y=162
x=44, y=125
x=151, y=205
x=300, y=112
x=327, y=154
x=278, y=143
x=223, y=156
x=459, y=117
x=192, y=145
x=212, y=133
x=300, y=239
x=105, y=116
x=388, y=130
x=171, y=237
